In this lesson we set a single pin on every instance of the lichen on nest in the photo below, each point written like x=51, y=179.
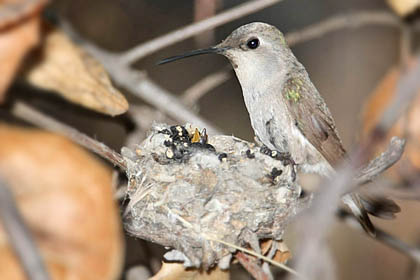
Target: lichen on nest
x=185, y=191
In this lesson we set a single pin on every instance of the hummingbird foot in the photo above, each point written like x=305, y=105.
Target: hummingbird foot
x=258, y=141
x=284, y=157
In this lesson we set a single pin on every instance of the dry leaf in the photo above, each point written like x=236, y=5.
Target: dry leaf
x=14, y=11
x=19, y=32
x=407, y=126
x=66, y=198
x=64, y=68
x=283, y=253
x=404, y=7
x=175, y=271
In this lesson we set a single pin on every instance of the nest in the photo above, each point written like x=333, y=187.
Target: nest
x=186, y=192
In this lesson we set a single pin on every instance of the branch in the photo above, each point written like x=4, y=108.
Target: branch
x=318, y=220
x=406, y=91
x=14, y=11
x=382, y=163
x=188, y=31
x=384, y=237
x=29, y=114
x=203, y=86
x=251, y=266
x=20, y=237
x=138, y=84
x=351, y=20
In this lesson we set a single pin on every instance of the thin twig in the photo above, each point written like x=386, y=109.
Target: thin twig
x=382, y=162
x=188, y=31
x=318, y=220
x=252, y=253
x=204, y=9
x=142, y=86
x=251, y=266
x=320, y=217
x=384, y=237
x=315, y=223
x=138, y=84
x=406, y=91
x=351, y=20
x=405, y=46
x=205, y=85
x=20, y=237
x=31, y=115
x=413, y=271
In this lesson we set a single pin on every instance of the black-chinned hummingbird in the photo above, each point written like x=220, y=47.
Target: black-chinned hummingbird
x=287, y=112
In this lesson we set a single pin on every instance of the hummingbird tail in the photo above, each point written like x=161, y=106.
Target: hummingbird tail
x=353, y=201
x=380, y=207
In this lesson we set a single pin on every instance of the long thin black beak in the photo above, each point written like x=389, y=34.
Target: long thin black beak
x=192, y=53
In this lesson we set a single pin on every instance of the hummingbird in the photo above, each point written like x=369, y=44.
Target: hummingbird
x=287, y=113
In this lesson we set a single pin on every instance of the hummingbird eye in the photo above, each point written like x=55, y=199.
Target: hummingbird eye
x=253, y=43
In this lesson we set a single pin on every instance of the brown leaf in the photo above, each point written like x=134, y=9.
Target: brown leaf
x=12, y=12
x=64, y=68
x=66, y=198
x=407, y=126
x=404, y=7
x=175, y=271
x=266, y=246
x=283, y=253
x=19, y=32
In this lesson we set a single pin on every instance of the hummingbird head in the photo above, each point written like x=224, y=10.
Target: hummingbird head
x=254, y=49
x=253, y=43
x=247, y=44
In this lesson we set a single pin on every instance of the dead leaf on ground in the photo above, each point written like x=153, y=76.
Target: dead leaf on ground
x=404, y=7
x=407, y=126
x=175, y=271
x=19, y=32
x=65, y=196
x=66, y=69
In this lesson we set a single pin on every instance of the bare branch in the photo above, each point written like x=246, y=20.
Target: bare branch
x=352, y=20
x=14, y=11
x=385, y=238
x=203, y=86
x=382, y=163
x=318, y=220
x=406, y=41
x=20, y=237
x=140, y=85
x=188, y=31
x=251, y=266
x=37, y=118
x=315, y=223
x=407, y=89
x=204, y=9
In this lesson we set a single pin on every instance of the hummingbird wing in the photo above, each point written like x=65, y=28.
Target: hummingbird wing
x=312, y=117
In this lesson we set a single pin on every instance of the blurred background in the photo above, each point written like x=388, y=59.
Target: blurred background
x=345, y=65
